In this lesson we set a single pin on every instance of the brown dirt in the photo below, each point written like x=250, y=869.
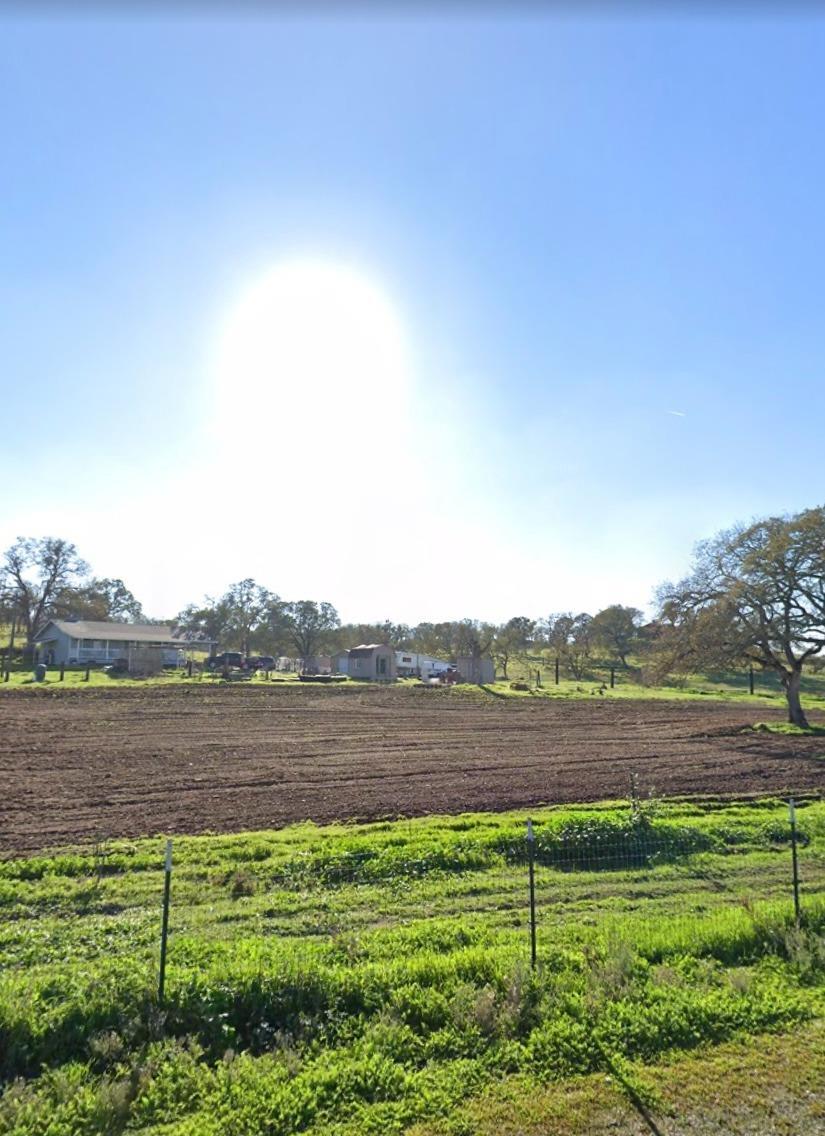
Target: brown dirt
x=99, y=764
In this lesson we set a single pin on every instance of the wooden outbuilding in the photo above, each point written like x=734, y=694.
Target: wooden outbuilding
x=373, y=661
x=479, y=670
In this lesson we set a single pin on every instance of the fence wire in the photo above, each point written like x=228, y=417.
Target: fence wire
x=665, y=885
x=665, y=879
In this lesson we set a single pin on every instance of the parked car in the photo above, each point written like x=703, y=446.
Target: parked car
x=261, y=663
x=226, y=659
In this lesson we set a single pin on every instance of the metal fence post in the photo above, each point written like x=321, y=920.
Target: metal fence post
x=794, y=861
x=164, y=933
x=531, y=857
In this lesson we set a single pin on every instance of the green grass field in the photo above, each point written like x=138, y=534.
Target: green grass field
x=729, y=686
x=75, y=679
x=695, y=688
x=376, y=979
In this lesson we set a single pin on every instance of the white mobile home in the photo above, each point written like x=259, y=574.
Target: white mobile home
x=412, y=663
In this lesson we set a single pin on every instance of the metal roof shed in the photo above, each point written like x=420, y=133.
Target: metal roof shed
x=374, y=662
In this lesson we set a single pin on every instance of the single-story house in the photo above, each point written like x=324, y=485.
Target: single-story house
x=100, y=641
x=374, y=661
x=479, y=670
x=410, y=663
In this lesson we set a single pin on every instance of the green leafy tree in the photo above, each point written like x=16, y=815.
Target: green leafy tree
x=756, y=594
x=271, y=635
x=438, y=639
x=398, y=635
x=208, y=622
x=512, y=640
x=232, y=620
x=570, y=638
x=474, y=638
x=617, y=629
x=310, y=626
x=99, y=599
x=247, y=605
x=352, y=634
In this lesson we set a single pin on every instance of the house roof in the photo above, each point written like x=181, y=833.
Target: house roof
x=103, y=629
x=367, y=649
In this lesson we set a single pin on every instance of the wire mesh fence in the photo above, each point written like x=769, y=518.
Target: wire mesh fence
x=723, y=878
x=732, y=882
x=451, y=948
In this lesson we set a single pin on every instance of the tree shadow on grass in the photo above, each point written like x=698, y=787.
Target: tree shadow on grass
x=495, y=693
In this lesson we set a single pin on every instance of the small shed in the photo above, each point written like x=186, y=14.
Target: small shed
x=340, y=663
x=373, y=661
x=478, y=670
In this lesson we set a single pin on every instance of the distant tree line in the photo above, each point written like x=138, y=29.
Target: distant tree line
x=755, y=595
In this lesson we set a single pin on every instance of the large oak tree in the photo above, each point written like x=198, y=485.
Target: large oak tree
x=570, y=637
x=242, y=614
x=756, y=594
x=512, y=640
x=104, y=599
x=310, y=625
x=618, y=630
x=34, y=575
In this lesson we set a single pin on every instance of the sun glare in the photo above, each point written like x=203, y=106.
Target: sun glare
x=314, y=348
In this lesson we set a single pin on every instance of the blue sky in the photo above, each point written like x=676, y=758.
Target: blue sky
x=580, y=226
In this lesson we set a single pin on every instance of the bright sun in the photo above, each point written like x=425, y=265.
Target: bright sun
x=312, y=347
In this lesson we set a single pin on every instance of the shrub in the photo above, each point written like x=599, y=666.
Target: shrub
x=242, y=883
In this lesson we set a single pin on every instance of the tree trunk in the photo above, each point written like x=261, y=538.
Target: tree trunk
x=791, y=682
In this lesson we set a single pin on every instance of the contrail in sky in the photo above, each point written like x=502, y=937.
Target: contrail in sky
x=677, y=413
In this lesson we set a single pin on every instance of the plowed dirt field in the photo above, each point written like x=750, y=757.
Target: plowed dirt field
x=99, y=764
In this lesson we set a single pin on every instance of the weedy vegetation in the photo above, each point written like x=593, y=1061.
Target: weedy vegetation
x=369, y=979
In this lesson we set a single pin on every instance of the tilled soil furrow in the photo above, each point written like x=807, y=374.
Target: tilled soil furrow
x=100, y=764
